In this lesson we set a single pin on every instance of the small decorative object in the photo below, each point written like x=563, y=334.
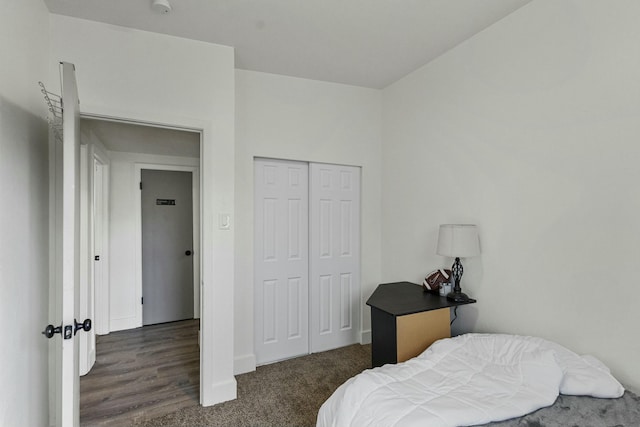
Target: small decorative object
x=434, y=280
x=458, y=241
x=445, y=289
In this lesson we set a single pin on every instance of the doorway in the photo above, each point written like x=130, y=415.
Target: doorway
x=307, y=258
x=167, y=246
x=129, y=148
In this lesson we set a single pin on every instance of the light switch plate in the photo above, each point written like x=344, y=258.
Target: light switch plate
x=224, y=221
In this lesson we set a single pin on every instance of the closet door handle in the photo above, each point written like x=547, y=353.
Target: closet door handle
x=188, y=253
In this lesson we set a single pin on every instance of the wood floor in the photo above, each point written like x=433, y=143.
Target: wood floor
x=141, y=374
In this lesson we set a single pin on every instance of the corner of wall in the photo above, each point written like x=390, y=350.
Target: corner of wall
x=365, y=337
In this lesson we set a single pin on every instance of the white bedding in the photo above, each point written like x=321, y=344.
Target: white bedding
x=467, y=380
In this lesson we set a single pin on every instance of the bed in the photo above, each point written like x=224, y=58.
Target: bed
x=478, y=379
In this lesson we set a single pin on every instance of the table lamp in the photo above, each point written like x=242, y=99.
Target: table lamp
x=458, y=241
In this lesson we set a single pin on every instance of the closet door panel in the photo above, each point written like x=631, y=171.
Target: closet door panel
x=281, y=262
x=334, y=280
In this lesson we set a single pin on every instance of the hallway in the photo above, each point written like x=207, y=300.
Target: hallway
x=141, y=373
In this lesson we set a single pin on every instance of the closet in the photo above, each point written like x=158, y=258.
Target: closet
x=306, y=258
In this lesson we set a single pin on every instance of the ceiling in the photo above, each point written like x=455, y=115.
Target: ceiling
x=370, y=43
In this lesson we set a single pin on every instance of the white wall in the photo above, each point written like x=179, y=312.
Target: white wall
x=124, y=301
x=24, y=226
x=530, y=130
x=290, y=118
x=156, y=78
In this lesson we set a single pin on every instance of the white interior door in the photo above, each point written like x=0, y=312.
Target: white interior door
x=87, y=341
x=167, y=246
x=99, y=254
x=281, y=260
x=64, y=393
x=334, y=283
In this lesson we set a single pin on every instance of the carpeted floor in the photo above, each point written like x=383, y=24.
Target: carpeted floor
x=263, y=402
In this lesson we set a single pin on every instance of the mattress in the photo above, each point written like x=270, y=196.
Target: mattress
x=468, y=380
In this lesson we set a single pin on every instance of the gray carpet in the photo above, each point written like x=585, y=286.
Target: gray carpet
x=264, y=402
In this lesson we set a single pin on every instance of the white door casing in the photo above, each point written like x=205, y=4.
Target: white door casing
x=334, y=283
x=281, y=260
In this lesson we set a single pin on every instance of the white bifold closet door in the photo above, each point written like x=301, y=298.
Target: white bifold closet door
x=281, y=259
x=334, y=268
x=306, y=258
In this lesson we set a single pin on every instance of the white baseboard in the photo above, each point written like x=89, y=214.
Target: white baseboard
x=365, y=337
x=219, y=392
x=244, y=364
x=123, y=324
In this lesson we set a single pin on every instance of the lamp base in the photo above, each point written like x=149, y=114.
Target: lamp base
x=458, y=297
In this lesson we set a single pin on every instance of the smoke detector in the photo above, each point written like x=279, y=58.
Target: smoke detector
x=161, y=6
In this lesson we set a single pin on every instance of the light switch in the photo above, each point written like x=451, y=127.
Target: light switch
x=224, y=221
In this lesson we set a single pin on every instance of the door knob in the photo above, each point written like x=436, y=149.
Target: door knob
x=51, y=330
x=188, y=253
x=85, y=326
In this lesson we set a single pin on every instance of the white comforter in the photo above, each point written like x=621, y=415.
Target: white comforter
x=467, y=380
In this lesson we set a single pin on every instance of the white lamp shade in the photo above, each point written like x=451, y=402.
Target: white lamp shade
x=458, y=240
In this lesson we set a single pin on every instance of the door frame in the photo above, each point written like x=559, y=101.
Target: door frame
x=195, y=191
x=217, y=383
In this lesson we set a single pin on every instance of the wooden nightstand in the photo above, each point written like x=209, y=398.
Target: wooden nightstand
x=405, y=320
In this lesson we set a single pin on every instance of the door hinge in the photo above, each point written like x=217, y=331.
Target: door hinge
x=96, y=258
x=141, y=185
x=141, y=300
